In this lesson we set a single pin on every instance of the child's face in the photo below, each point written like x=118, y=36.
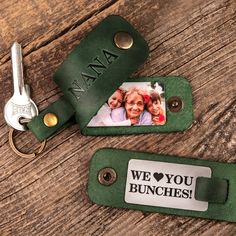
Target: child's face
x=154, y=107
x=134, y=105
x=115, y=100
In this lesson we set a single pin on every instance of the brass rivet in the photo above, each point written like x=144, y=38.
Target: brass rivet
x=107, y=176
x=50, y=120
x=123, y=40
x=175, y=104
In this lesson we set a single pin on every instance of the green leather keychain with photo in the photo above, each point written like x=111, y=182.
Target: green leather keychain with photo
x=165, y=184
x=100, y=96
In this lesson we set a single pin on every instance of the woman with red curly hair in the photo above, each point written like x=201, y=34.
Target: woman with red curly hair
x=134, y=109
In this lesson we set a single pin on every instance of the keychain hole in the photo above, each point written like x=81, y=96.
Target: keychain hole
x=175, y=104
x=107, y=176
x=22, y=120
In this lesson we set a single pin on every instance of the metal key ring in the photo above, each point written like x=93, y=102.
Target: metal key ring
x=17, y=151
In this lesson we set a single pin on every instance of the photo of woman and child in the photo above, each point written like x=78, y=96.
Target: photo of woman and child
x=134, y=103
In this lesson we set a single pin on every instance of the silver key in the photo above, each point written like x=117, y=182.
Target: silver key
x=20, y=104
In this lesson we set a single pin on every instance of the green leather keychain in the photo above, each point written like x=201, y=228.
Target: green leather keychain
x=165, y=184
x=95, y=70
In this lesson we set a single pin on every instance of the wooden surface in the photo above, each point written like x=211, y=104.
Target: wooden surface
x=47, y=195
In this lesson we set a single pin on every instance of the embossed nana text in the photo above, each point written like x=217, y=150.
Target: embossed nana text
x=96, y=68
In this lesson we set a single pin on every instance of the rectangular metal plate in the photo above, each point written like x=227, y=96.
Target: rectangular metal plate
x=162, y=184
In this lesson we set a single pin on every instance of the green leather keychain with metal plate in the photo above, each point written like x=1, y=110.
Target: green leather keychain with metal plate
x=165, y=184
x=95, y=70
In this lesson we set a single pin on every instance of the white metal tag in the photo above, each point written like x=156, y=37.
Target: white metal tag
x=163, y=184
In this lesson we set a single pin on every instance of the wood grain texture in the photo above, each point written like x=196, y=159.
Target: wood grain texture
x=47, y=195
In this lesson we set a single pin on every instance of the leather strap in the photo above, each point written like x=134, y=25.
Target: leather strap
x=214, y=190
x=64, y=113
x=94, y=70
x=217, y=191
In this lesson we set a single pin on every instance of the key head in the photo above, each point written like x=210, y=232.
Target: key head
x=14, y=110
